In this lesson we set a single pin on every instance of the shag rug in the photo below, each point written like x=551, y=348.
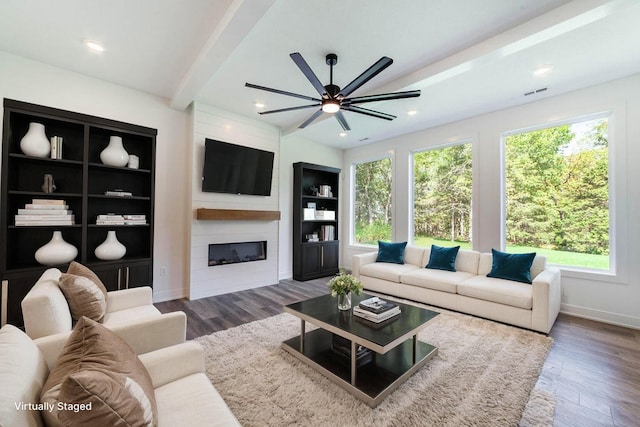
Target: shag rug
x=483, y=375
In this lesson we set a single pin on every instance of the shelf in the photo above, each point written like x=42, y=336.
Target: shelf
x=305, y=196
x=102, y=196
x=236, y=215
x=117, y=225
x=42, y=227
x=118, y=168
x=46, y=159
x=41, y=195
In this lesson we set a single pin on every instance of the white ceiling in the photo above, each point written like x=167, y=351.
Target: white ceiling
x=466, y=56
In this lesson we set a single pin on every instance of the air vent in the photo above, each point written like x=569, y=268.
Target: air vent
x=535, y=91
x=363, y=139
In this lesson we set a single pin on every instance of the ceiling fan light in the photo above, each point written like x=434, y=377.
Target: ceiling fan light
x=331, y=106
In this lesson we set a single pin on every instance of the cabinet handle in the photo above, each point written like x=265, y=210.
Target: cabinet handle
x=127, y=282
x=321, y=256
x=119, y=277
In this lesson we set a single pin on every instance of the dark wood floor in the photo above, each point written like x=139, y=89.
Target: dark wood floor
x=593, y=368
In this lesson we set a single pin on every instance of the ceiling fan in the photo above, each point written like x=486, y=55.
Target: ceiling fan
x=333, y=99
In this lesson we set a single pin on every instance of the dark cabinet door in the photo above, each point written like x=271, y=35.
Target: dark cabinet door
x=329, y=258
x=319, y=260
x=124, y=275
x=310, y=260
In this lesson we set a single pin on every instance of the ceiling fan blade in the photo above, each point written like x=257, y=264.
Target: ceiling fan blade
x=308, y=72
x=370, y=73
x=343, y=122
x=282, y=92
x=301, y=107
x=368, y=112
x=310, y=119
x=381, y=97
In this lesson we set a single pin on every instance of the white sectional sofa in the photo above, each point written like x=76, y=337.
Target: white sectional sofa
x=533, y=306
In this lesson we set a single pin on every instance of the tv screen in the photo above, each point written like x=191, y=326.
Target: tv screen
x=235, y=169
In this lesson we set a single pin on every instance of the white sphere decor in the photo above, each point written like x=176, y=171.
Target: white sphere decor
x=114, y=154
x=56, y=252
x=35, y=142
x=111, y=248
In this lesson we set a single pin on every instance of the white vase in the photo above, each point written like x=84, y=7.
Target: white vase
x=111, y=248
x=114, y=154
x=57, y=251
x=35, y=142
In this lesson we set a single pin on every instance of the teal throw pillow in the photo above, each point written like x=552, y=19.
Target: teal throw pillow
x=442, y=258
x=515, y=267
x=391, y=252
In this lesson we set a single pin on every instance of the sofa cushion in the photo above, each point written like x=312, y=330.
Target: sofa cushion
x=515, y=267
x=500, y=291
x=23, y=371
x=387, y=271
x=83, y=296
x=391, y=252
x=78, y=269
x=192, y=401
x=98, y=367
x=439, y=280
x=443, y=258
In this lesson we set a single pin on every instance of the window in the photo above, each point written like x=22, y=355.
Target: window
x=442, y=182
x=557, y=193
x=372, y=201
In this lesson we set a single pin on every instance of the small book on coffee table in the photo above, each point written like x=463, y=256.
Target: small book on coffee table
x=376, y=305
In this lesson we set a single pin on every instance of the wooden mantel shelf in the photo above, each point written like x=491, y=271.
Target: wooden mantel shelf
x=236, y=215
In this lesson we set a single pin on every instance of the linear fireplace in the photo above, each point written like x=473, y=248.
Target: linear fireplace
x=231, y=253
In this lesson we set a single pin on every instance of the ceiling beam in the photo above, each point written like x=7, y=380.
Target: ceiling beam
x=239, y=19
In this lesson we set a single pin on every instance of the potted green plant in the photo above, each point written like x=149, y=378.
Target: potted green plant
x=342, y=285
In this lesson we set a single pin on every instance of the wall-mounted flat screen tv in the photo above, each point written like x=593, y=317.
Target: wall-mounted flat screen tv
x=236, y=169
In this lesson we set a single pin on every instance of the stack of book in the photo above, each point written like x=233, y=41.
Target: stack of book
x=376, y=310
x=341, y=347
x=118, y=193
x=135, y=219
x=327, y=232
x=124, y=219
x=110, y=219
x=45, y=212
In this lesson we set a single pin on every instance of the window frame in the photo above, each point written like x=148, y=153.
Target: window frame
x=412, y=189
x=352, y=198
x=612, y=155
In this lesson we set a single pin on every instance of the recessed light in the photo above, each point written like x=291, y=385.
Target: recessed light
x=342, y=134
x=412, y=112
x=94, y=46
x=543, y=70
x=258, y=105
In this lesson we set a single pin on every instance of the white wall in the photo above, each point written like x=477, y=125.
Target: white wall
x=213, y=123
x=295, y=149
x=608, y=297
x=34, y=82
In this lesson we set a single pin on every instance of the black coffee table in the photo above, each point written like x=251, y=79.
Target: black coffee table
x=397, y=352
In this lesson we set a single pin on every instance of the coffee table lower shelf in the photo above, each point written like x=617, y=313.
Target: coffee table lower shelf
x=375, y=380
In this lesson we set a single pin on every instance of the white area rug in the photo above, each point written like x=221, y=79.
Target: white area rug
x=483, y=375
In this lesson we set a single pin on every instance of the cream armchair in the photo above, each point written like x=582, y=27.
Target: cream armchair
x=46, y=312
x=183, y=393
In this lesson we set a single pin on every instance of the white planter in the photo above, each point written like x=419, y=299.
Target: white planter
x=111, y=248
x=114, y=154
x=35, y=142
x=57, y=251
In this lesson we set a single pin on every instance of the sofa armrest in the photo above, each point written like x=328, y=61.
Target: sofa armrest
x=547, y=297
x=129, y=298
x=45, y=309
x=172, y=363
x=362, y=259
x=143, y=336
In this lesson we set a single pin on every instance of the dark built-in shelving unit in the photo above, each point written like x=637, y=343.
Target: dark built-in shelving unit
x=81, y=179
x=314, y=259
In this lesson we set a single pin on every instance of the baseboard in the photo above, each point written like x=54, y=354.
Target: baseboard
x=601, y=316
